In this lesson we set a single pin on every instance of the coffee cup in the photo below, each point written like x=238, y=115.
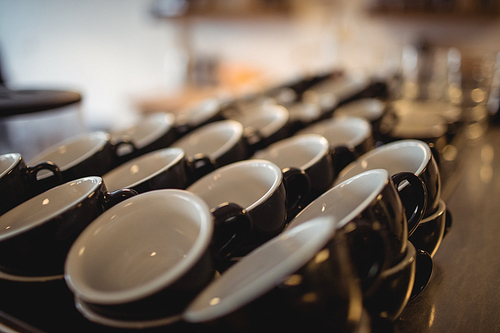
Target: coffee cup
x=432, y=229
x=349, y=138
x=220, y=142
x=89, y=154
x=143, y=260
x=264, y=125
x=402, y=156
x=161, y=169
x=18, y=181
x=37, y=234
x=301, y=280
x=267, y=194
x=198, y=114
x=367, y=200
x=152, y=132
x=400, y=284
x=307, y=152
x=381, y=117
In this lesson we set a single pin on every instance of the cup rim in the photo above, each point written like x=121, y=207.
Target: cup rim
x=73, y=270
x=382, y=174
x=179, y=155
x=322, y=229
x=196, y=114
x=373, y=105
x=389, y=147
x=16, y=158
x=163, y=122
x=216, y=174
x=292, y=141
x=336, y=122
x=279, y=114
x=213, y=128
x=37, y=221
x=101, y=136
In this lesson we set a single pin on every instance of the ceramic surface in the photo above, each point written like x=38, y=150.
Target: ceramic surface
x=268, y=287
x=159, y=169
x=402, y=156
x=151, y=248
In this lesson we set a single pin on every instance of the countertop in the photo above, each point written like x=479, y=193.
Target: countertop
x=463, y=294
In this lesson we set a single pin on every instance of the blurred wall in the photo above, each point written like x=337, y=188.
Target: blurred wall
x=114, y=51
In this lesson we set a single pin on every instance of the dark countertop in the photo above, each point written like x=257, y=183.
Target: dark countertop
x=463, y=294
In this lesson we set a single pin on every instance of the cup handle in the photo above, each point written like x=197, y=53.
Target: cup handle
x=123, y=142
x=369, y=250
x=415, y=201
x=115, y=197
x=342, y=156
x=423, y=272
x=448, y=223
x=297, y=187
x=32, y=171
x=232, y=227
x=198, y=166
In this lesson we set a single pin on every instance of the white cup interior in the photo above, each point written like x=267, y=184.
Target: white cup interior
x=368, y=108
x=267, y=119
x=139, y=247
x=341, y=131
x=72, y=151
x=346, y=200
x=198, y=113
x=395, y=157
x=301, y=151
x=7, y=162
x=212, y=140
x=147, y=130
x=46, y=206
x=261, y=270
x=142, y=168
x=246, y=183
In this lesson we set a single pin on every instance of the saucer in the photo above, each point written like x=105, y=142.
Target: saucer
x=24, y=278
x=91, y=315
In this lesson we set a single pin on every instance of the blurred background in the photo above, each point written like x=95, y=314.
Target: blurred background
x=129, y=57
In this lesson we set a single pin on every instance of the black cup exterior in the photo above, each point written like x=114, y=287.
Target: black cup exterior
x=103, y=160
x=20, y=184
x=342, y=156
x=42, y=250
x=321, y=296
x=268, y=219
x=321, y=176
x=393, y=294
x=175, y=177
x=162, y=142
x=430, y=231
x=387, y=210
x=168, y=302
x=237, y=152
x=258, y=141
